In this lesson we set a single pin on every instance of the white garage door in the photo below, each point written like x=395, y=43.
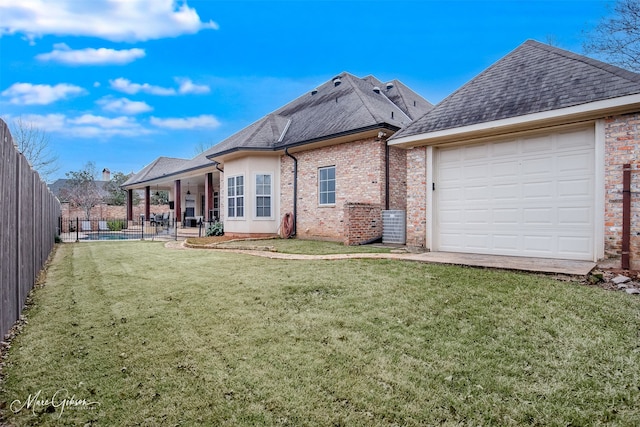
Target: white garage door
x=530, y=196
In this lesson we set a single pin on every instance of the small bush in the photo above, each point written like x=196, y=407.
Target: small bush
x=116, y=224
x=215, y=229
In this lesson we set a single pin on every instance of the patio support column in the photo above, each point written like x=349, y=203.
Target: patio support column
x=147, y=203
x=177, y=194
x=208, y=196
x=129, y=205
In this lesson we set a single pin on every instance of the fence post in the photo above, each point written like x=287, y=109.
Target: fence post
x=77, y=229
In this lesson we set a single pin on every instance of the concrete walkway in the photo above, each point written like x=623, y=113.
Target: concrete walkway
x=540, y=265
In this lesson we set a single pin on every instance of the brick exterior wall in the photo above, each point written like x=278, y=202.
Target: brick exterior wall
x=416, y=197
x=397, y=178
x=360, y=179
x=363, y=222
x=622, y=145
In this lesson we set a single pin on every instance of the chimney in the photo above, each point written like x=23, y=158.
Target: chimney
x=106, y=174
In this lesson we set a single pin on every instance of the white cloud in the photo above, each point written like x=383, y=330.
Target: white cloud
x=90, y=56
x=202, y=121
x=123, y=105
x=187, y=87
x=115, y=20
x=30, y=94
x=126, y=86
x=87, y=125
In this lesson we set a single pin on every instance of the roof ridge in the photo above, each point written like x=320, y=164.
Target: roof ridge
x=609, y=68
x=357, y=90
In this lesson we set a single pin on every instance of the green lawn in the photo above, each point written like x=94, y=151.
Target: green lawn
x=157, y=337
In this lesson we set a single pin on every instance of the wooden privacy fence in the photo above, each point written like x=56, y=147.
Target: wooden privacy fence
x=28, y=225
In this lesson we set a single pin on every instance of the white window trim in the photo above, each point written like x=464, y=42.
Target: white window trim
x=244, y=196
x=255, y=197
x=335, y=190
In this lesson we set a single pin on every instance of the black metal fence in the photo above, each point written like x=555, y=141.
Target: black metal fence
x=28, y=228
x=78, y=229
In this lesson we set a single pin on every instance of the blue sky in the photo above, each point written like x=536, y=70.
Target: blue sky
x=122, y=82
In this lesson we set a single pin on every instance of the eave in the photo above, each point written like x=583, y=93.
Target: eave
x=574, y=114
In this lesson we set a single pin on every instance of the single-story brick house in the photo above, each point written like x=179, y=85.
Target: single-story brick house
x=322, y=158
x=527, y=160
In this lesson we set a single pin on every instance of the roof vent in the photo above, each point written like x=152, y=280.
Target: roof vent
x=376, y=89
x=389, y=85
x=337, y=81
x=313, y=92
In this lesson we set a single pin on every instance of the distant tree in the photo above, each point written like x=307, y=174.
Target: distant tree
x=81, y=189
x=202, y=146
x=617, y=37
x=117, y=195
x=34, y=143
x=160, y=197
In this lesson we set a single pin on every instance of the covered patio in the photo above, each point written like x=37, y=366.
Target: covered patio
x=193, y=188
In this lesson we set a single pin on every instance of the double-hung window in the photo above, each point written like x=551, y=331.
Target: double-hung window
x=327, y=185
x=263, y=196
x=235, y=196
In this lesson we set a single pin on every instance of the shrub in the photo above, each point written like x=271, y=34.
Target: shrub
x=116, y=224
x=215, y=229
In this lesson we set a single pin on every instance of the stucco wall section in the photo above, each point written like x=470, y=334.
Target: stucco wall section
x=622, y=145
x=416, y=197
x=360, y=178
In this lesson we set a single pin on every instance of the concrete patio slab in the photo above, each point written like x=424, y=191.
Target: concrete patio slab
x=541, y=265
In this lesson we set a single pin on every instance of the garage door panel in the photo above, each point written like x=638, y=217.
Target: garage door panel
x=536, y=243
x=530, y=197
x=573, y=140
x=506, y=243
x=538, y=190
x=575, y=216
x=537, y=144
x=538, y=166
x=577, y=188
x=476, y=152
x=503, y=149
x=577, y=245
x=478, y=216
x=504, y=170
x=539, y=216
x=575, y=163
x=503, y=217
x=506, y=192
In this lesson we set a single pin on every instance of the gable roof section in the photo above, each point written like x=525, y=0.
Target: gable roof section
x=158, y=168
x=534, y=78
x=344, y=105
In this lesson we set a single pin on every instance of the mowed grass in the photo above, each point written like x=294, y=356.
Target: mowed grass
x=290, y=246
x=159, y=337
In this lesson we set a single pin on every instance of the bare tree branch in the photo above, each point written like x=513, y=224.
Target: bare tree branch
x=34, y=143
x=616, y=39
x=81, y=189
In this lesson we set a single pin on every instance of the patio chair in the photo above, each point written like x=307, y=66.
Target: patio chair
x=85, y=226
x=102, y=226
